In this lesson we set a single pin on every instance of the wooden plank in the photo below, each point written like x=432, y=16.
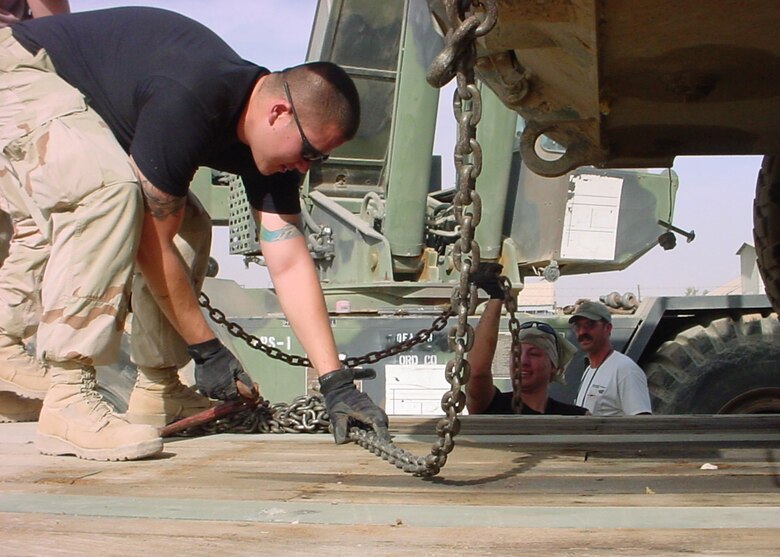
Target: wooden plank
x=294, y=495
x=286, y=467
x=63, y=535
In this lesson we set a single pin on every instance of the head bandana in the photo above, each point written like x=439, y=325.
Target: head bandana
x=558, y=349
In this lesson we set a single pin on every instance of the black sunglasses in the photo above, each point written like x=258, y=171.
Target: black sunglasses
x=308, y=151
x=544, y=327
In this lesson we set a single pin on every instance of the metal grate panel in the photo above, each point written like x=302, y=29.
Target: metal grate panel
x=244, y=239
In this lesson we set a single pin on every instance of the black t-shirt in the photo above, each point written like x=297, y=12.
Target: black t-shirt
x=169, y=88
x=502, y=404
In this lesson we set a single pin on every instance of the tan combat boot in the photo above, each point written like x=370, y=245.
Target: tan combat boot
x=159, y=398
x=20, y=373
x=76, y=420
x=14, y=408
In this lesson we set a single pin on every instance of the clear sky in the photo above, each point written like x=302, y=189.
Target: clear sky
x=715, y=196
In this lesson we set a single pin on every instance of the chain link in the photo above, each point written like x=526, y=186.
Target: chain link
x=510, y=302
x=460, y=37
x=305, y=414
x=236, y=330
x=460, y=53
x=459, y=58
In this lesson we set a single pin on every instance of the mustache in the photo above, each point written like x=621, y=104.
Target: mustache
x=584, y=336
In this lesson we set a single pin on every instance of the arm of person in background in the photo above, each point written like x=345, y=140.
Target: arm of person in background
x=298, y=290
x=479, y=389
x=41, y=8
x=158, y=259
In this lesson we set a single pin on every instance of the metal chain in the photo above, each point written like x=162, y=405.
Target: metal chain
x=510, y=302
x=236, y=330
x=460, y=38
x=461, y=53
x=305, y=414
x=467, y=106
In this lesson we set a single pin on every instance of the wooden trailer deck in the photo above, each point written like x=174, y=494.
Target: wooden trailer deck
x=512, y=486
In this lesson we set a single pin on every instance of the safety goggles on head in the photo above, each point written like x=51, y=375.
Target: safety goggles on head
x=308, y=151
x=544, y=327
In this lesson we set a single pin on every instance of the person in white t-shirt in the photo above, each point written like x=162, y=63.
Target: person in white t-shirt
x=613, y=384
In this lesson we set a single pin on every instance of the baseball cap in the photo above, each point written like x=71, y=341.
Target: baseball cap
x=595, y=311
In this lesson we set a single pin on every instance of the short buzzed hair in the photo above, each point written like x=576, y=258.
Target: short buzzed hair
x=324, y=92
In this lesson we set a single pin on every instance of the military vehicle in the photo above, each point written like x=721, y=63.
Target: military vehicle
x=384, y=237
x=384, y=233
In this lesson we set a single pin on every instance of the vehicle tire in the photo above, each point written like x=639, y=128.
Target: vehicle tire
x=727, y=367
x=766, y=227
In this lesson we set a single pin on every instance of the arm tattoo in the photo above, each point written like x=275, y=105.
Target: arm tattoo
x=158, y=203
x=284, y=233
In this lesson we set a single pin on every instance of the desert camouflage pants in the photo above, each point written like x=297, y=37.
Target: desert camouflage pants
x=21, y=276
x=69, y=185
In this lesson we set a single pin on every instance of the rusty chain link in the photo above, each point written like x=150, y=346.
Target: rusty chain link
x=459, y=53
x=236, y=330
x=459, y=58
x=469, y=20
x=460, y=38
x=510, y=302
x=305, y=414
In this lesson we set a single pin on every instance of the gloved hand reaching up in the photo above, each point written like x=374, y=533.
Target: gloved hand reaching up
x=486, y=276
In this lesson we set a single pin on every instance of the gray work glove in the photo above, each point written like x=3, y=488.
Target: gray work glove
x=344, y=403
x=217, y=370
x=486, y=276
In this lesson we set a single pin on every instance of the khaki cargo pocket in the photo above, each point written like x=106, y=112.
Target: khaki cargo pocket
x=65, y=160
x=30, y=98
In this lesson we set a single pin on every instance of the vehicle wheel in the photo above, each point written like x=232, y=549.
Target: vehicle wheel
x=766, y=227
x=727, y=367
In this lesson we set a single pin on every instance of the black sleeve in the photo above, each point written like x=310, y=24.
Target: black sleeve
x=277, y=193
x=559, y=408
x=171, y=133
x=501, y=403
